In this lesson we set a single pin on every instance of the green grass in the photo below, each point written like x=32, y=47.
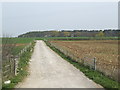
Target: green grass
x=96, y=76
x=23, y=40
x=27, y=40
x=18, y=40
x=17, y=49
x=77, y=38
x=23, y=64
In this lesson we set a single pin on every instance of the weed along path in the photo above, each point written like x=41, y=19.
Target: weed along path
x=49, y=70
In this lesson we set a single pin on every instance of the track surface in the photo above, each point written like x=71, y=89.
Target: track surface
x=49, y=70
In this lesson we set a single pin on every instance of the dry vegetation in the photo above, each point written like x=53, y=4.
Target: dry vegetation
x=105, y=51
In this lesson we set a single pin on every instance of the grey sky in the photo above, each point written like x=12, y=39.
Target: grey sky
x=19, y=18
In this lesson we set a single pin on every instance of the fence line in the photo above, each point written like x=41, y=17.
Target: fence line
x=10, y=66
x=92, y=62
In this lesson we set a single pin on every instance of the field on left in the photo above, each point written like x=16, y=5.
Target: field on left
x=16, y=53
x=19, y=43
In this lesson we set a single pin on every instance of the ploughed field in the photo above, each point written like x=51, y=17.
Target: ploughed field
x=105, y=52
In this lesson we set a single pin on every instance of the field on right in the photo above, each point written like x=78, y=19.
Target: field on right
x=100, y=54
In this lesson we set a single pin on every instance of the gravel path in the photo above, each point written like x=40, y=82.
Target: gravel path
x=49, y=70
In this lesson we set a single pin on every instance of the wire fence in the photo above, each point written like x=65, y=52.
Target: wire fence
x=10, y=65
x=108, y=69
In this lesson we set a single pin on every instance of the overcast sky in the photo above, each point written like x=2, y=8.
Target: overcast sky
x=18, y=18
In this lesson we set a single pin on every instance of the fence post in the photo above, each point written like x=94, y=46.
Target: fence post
x=15, y=65
x=94, y=63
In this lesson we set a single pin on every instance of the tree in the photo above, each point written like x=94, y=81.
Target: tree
x=100, y=34
x=66, y=34
x=54, y=33
x=77, y=34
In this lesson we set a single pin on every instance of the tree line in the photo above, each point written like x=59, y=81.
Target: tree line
x=74, y=33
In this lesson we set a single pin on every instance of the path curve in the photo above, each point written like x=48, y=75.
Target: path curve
x=48, y=70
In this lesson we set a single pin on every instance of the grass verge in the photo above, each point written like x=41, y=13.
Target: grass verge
x=96, y=76
x=22, y=68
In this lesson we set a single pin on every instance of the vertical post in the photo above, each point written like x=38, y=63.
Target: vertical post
x=83, y=61
x=94, y=63
x=11, y=74
x=15, y=65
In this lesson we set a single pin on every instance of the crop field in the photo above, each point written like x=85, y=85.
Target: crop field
x=77, y=38
x=13, y=46
x=19, y=43
x=104, y=51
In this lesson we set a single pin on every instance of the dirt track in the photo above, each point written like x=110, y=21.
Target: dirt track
x=49, y=70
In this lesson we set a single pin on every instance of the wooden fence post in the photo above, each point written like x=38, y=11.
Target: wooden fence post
x=16, y=65
x=94, y=63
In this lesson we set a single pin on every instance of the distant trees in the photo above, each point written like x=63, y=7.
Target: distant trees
x=54, y=33
x=74, y=33
x=66, y=34
x=100, y=34
x=112, y=33
x=77, y=34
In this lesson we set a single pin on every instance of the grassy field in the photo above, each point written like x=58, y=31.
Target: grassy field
x=78, y=38
x=105, y=52
x=20, y=43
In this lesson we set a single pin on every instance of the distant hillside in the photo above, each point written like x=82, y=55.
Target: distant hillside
x=75, y=33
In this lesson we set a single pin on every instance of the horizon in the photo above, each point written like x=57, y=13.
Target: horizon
x=24, y=17
x=65, y=30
